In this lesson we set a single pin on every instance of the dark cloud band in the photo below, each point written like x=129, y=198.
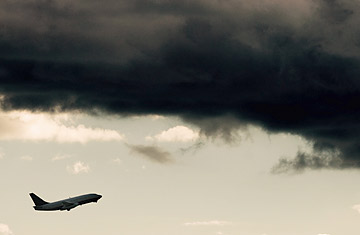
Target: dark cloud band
x=296, y=73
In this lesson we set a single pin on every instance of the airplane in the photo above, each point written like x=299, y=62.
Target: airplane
x=66, y=204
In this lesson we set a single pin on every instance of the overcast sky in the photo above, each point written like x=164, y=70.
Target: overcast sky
x=189, y=117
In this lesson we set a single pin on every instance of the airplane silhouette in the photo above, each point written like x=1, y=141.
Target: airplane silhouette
x=66, y=204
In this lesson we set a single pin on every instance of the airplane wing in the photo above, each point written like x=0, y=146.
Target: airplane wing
x=67, y=203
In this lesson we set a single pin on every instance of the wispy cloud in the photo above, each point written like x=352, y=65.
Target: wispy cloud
x=60, y=157
x=118, y=161
x=356, y=207
x=193, y=148
x=5, y=230
x=153, y=117
x=176, y=134
x=153, y=153
x=24, y=125
x=26, y=158
x=208, y=223
x=78, y=168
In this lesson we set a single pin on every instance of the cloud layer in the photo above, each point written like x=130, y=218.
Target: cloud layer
x=24, y=125
x=286, y=66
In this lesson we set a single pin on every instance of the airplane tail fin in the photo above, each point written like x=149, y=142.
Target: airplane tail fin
x=37, y=200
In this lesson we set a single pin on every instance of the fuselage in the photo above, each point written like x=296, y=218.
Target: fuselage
x=70, y=203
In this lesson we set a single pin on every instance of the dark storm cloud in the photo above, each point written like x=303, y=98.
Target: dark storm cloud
x=335, y=11
x=314, y=161
x=285, y=66
x=224, y=127
x=153, y=153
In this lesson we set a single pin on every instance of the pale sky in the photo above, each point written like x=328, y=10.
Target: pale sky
x=218, y=188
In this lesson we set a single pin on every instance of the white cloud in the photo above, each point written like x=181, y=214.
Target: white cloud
x=26, y=158
x=60, y=157
x=24, y=125
x=78, y=168
x=208, y=223
x=176, y=134
x=5, y=230
x=356, y=207
x=118, y=161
